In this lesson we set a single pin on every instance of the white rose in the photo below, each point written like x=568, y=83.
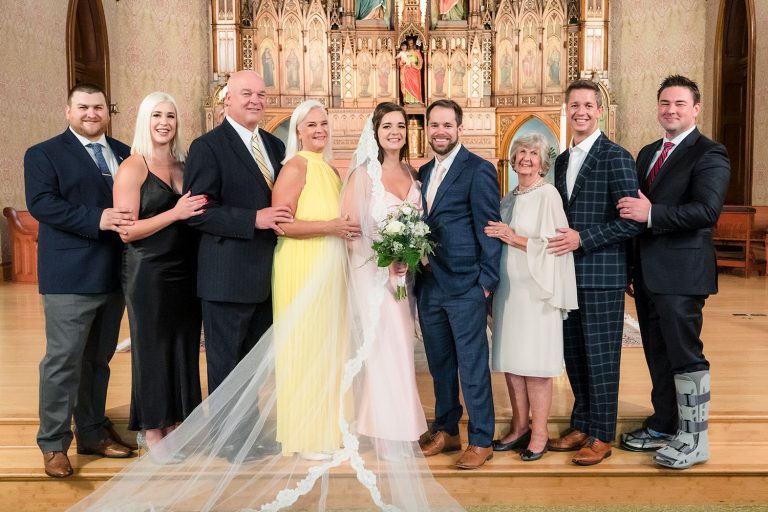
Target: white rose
x=407, y=210
x=394, y=227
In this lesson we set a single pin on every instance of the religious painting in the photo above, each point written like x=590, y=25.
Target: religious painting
x=293, y=69
x=383, y=74
x=529, y=57
x=447, y=10
x=410, y=61
x=317, y=73
x=458, y=75
x=374, y=10
x=364, y=68
x=439, y=72
x=554, y=56
x=505, y=67
x=267, y=62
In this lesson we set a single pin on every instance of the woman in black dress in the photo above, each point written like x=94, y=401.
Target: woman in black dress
x=159, y=273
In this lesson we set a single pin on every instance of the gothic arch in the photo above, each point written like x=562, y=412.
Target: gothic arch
x=87, y=44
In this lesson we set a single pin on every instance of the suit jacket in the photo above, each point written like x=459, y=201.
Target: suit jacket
x=467, y=199
x=235, y=258
x=67, y=194
x=607, y=175
x=676, y=254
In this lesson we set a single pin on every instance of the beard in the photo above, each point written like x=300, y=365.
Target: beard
x=452, y=144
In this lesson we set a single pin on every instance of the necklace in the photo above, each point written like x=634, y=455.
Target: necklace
x=536, y=184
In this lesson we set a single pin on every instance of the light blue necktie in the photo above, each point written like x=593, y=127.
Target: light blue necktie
x=101, y=162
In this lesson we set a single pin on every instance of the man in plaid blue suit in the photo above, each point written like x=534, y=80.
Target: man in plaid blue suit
x=591, y=177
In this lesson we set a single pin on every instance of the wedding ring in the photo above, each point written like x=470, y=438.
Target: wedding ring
x=349, y=234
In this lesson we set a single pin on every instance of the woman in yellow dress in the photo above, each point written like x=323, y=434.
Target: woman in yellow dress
x=310, y=348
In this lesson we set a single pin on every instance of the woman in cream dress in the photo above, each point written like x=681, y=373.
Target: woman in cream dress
x=536, y=290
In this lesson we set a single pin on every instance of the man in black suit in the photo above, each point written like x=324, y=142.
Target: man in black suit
x=68, y=184
x=235, y=165
x=591, y=177
x=684, y=179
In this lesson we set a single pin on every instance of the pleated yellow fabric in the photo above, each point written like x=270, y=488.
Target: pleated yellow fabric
x=309, y=349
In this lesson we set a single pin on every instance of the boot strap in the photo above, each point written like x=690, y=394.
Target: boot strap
x=692, y=400
x=693, y=427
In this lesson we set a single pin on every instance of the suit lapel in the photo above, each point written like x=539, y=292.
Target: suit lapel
x=87, y=163
x=677, y=156
x=457, y=167
x=425, y=184
x=270, y=152
x=561, y=169
x=644, y=161
x=586, y=168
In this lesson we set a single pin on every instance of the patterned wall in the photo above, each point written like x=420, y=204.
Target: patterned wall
x=33, y=84
x=159, y=46
x=760, y=155
x=643, y=50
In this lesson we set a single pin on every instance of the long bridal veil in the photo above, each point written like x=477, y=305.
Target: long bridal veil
x=223, y=458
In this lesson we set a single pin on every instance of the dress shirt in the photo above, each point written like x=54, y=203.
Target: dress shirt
x=676, y=141
x=245, y=135
x=109, y=156
x=576, y=156
x=446, y=162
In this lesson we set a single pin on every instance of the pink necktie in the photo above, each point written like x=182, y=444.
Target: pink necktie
x=657, y=165
x=434, y=183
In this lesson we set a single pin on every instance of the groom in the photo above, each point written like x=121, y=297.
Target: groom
x=460, y=196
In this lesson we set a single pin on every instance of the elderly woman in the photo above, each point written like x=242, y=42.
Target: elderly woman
x=536, y=290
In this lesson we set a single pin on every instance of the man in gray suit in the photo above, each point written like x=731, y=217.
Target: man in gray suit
x=68, y=182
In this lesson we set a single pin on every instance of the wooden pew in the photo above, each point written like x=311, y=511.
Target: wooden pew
x=23, y=230
x=741, y=236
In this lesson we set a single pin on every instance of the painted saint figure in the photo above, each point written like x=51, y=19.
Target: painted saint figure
x=268, y=68
x=410, y=62
x=452, y=10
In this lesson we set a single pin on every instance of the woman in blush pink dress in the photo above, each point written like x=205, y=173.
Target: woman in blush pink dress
x=389, y=406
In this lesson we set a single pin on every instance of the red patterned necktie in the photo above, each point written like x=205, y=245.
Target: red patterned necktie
x=659, y=162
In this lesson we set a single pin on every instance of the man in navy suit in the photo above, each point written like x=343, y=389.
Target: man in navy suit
x=460, y=195
x=68, y=182
x=592, y=176
x=684, y=179
x=235, y=165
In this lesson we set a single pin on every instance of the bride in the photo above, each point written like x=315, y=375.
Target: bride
x=378, y=463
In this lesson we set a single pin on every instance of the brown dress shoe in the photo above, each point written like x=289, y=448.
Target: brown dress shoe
x=110, y=428
x=593, y=452
x=441, y=442
x=57, y=464
x=106, y=448
x=474, y=457
x=569, y=441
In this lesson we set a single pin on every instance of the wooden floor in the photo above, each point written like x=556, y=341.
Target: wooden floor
x=736, y=343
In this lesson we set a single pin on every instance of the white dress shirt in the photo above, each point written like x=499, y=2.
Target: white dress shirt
x=446, y=162
x=246, y=135
x=109, y=156
x=576, y=156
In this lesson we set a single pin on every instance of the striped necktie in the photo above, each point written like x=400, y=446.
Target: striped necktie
x=258, y=154
x=101, y=162
x=657, y=165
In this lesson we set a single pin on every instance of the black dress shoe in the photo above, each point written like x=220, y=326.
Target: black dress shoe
x=515, y=444
x=257, y=452
x=529, y=456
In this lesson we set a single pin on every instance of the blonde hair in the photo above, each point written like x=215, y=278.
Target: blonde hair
x=142, y=139
x=298, y=116
x=532, y=141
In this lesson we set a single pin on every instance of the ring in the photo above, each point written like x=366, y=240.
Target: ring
x=349, y=234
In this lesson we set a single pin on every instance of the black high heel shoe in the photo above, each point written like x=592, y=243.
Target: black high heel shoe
x=515, y=444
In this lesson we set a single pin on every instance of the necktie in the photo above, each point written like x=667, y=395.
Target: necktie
x=101, y=162
x=657, y=165
x=434, y=184
x=258, y=154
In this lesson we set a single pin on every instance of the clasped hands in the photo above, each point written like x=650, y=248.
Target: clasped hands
x=114, y=219
x=568, y=240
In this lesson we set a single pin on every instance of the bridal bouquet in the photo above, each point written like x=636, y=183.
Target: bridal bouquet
x=402, y=237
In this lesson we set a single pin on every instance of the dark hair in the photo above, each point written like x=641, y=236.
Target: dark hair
x=447, y=104
x=379, y=112
x=681, y=81
x=85, y=87
x=585, y=84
